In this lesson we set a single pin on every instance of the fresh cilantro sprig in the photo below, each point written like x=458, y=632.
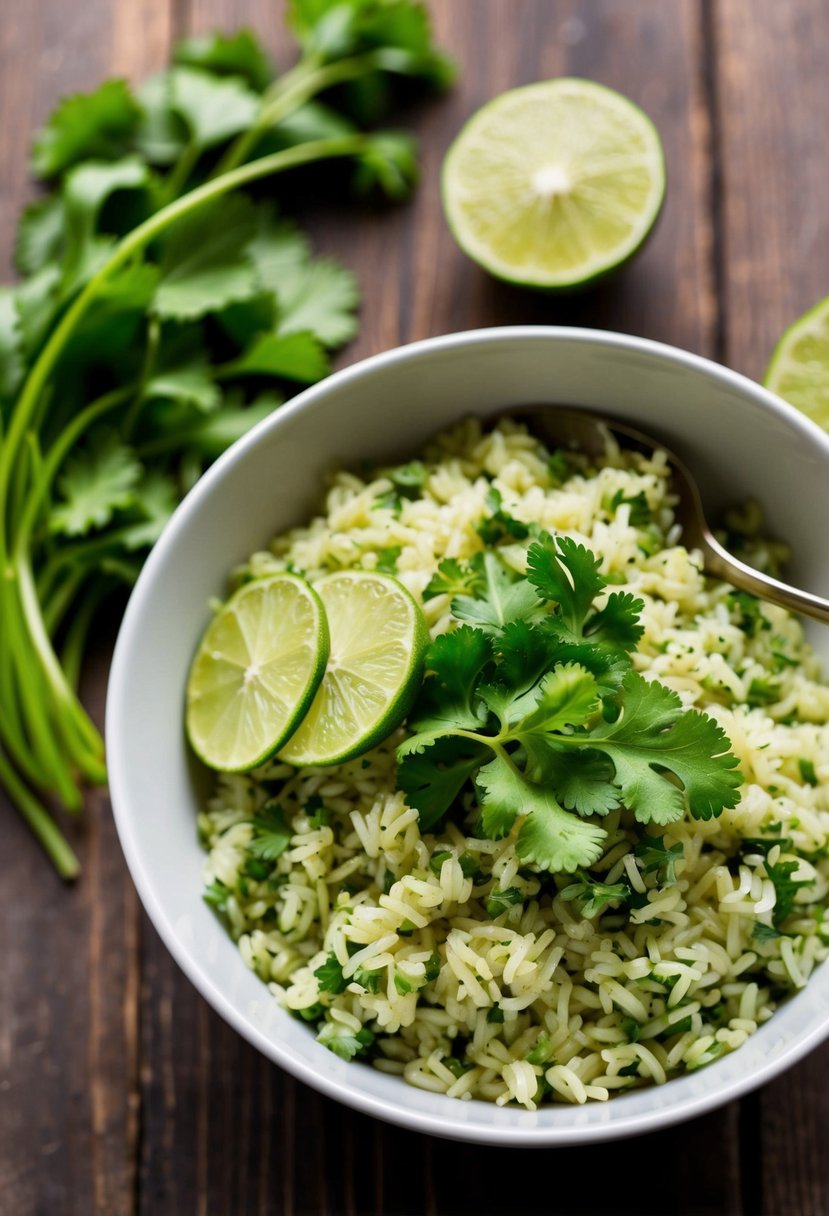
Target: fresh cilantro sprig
x=533, y=704
x=163, y=310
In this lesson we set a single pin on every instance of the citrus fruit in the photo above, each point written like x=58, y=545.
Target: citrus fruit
x=554, y=184
x=378, y=645
x=256, y=671
x=799, y=367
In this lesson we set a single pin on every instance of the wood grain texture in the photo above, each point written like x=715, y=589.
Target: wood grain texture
x=120, y=1090
x=771, y=114
x=69, y=1102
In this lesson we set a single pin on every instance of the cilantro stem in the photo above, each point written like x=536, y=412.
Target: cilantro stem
x=57, y=454
x=41, y=823
x=288, y=94
x=133, y=243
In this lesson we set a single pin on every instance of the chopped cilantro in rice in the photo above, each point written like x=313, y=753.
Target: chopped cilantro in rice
x=444, y=958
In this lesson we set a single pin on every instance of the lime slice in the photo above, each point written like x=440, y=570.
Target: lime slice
x=378, y=646
x=256, y=671
x=554, y=184
x=799, y=367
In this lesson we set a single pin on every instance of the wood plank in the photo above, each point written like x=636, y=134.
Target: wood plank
x=772, y=100
x=772, y=89
x=69, y=997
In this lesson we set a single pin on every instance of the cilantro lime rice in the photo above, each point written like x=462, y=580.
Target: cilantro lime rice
x=416, y=942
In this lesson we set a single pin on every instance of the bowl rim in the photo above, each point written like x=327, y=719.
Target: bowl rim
x=538, y=1135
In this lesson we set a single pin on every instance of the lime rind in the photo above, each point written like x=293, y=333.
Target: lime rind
x=798, y=370
x=256, y=672
x=568, y=222
x=378, y=646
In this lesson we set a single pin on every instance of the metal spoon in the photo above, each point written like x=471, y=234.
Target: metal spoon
x=588, y=431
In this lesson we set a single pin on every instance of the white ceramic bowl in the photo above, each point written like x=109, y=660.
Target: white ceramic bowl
x=741, y=441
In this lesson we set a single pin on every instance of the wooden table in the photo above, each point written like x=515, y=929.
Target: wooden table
x=120, y=1090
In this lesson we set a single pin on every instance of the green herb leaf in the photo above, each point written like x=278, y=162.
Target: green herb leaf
x=238, y=54
x=318, y=297
x=212, y=108
x=501, y=599
x=454, y=578
x=431, y=772
x=40, y=234
x=95, y=483
x=204, y=266
x=593, y=897
x=87, y=126
x=455, y=661
x=500, y=901
x=785, y=888
x=330, y=976
x=292, y=357
x=653, y=735
x=271, y=833
x=549, y=836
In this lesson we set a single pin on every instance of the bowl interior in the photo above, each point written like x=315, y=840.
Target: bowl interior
x=740, y=441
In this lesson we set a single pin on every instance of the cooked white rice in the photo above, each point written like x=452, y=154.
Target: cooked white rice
x=540, y=1003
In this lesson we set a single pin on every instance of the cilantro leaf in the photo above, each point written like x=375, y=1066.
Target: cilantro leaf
x=500, y=525
x=617, y=623
x=86, y=126
x=765, y=933
x=11, y=354
x=204, y=266
x=86, y=189
x=319, y=297
x=566, y=696
x=387, y=559
x=330, y=976
x=567, y=574
x=454, y=663
x=654, y=855
x=652, y=735
x=501, y=600
x=162, y=134
x=499, y=902
x=582, y=780
x=432, y=771
x=238, y=54
x=36, y=302
x=388, y=164
x=454, y=578
x=343, y=1043
x=785, y=888
x=549, y=836
x=271, y=833
x=95, y=482
x=40, y=234
x=292, y=357
x=594, y=896
x=212, y=108
x=155, y=499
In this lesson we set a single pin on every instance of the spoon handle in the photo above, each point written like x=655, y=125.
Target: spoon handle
x=722, y=564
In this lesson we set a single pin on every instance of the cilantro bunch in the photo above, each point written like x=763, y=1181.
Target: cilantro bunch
x=533, y=701
x=164, y=308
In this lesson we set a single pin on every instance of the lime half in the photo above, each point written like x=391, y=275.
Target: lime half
x=799, y=368
x=554, y=184
x=256, y=671
x=378, y=647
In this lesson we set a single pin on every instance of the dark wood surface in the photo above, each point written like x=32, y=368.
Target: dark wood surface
x=120, y=1090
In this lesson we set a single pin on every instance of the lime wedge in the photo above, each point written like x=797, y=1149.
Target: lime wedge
x=256, y=671
x=554, y=184
x=378, y=646
x=799, y=367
